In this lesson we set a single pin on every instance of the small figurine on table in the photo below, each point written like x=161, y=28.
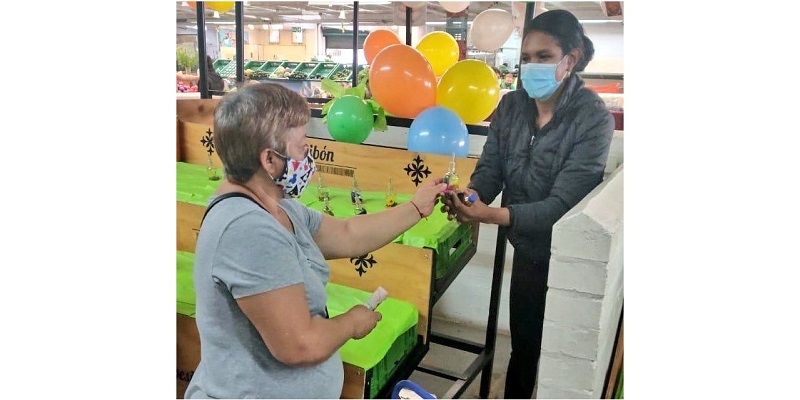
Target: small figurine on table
x=322, y=190
x=391, y=197
x=355, y=193
x=358, y=208
x=327, y=207
x=212, y=172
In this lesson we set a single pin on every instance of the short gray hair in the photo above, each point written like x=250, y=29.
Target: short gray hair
x=252, y=119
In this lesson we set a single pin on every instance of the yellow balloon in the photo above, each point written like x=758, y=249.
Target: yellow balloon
x=440, y=49
x=220, y=6
x=470, y=89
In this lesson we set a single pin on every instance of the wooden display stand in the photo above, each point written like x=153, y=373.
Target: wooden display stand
x=407, y=272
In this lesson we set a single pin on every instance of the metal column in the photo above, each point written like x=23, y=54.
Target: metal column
x=239, y=11
x=355, y=43
x=202, y=69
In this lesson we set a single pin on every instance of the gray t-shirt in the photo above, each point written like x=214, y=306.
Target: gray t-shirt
x=241, y=251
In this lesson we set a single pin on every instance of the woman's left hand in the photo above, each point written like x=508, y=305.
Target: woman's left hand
x=455, y=208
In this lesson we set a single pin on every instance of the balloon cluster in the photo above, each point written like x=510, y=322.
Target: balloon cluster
x=429, y=83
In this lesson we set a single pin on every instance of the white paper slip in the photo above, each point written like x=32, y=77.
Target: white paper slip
x=377, y=297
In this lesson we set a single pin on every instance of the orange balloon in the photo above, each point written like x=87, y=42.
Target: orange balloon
x=192, y=5
x=377, y=41
x=402, y=81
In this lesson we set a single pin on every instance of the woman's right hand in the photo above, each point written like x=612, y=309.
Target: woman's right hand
x=427, y=194
x=364, y=320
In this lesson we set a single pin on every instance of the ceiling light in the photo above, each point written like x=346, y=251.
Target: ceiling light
x=185, y=4
x=277, y=27
x=341, y=15
x=216, y=14
x=265, y=27
x=251, y=27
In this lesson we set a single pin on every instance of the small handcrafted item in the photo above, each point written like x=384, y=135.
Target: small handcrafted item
x=327, y=207
x=322, y=190
x=355, y=193
x=391, y=197
x=451, y=178
x=212, y=172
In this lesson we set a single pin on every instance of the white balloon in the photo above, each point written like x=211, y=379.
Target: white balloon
x=491, y=29
x=414, y=4
x=454, y=6
x=518, y=12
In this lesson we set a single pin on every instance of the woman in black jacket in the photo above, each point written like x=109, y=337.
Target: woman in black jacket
x=547, y=148
x=214, y=80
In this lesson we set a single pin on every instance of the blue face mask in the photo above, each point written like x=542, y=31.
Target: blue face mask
x=539, y=80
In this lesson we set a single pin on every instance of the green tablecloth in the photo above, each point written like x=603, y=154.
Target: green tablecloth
x=185, y=291
x=398, y=316
x=195, y=188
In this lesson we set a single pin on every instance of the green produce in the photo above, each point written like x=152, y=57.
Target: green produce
x=363, y=74
x=259, y=75
x=342, y=75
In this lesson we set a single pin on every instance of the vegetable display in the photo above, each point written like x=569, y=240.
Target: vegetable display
x=342, y=75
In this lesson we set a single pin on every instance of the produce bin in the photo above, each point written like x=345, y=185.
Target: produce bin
x=254, y=65
x=342, y=73
x=270, y=66
x=229, y=70
x=220, y=64
x=323, y=70
x=303, y=71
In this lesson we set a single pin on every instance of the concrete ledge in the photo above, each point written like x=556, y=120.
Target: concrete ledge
x=587, y=230
x=571, y=341
x=546, y=392
x=569, y=273
x=572, y=308
x=566, y=373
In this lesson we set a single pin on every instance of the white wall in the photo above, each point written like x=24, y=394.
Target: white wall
x=608, y=46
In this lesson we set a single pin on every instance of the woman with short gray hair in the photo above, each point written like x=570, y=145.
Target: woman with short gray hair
x=260, y=269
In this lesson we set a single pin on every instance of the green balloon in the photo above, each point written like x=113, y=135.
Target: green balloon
x=350, y=119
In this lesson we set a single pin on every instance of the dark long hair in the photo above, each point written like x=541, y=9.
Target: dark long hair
x=567, y=31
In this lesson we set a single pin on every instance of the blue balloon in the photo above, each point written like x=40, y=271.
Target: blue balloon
x=438, y=130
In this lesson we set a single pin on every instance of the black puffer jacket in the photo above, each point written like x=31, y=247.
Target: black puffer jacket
x=545, y=172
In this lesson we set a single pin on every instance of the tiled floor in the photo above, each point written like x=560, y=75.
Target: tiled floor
x=457, y=361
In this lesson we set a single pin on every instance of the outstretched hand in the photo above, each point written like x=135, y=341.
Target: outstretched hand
x=427, y=194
